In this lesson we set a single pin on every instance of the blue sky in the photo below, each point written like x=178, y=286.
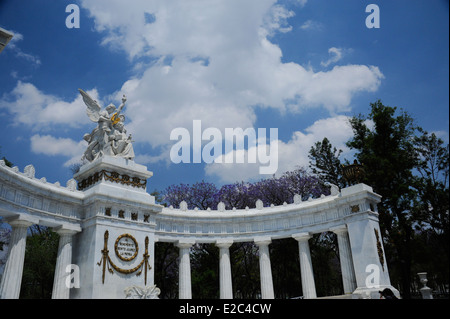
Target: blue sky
x=301, y=66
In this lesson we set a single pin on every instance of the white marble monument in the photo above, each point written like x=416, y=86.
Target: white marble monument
x=108, y=226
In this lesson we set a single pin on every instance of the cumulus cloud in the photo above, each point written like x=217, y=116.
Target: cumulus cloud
x=199, y=60
x=215, y=62
x=30, y=106
x=52, y=146
x=291, y=154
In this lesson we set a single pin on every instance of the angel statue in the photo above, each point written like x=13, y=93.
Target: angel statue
x=109, y=137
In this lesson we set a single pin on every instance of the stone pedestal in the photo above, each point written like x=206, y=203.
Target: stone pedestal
x=115, y=249
x=425, y=291
x=369, y=261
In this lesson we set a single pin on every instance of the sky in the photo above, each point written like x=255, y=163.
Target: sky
x=299, y=67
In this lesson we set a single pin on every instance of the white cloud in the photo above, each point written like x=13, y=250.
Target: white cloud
x=291, y=154
x=52, y=146
x=12, y=45
x=335, y=56
x=221, y=65
x=212, y=60
x=277, y=20
x=29, y=106
x=311, y=25
x=243, y=67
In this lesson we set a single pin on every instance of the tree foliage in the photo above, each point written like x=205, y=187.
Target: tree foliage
x=39, y=265
x=409, y=168
x=325, y=162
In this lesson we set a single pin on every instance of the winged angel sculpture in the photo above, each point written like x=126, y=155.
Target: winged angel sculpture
x=109, y=137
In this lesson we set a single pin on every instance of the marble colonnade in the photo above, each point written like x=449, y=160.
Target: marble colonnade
x=267, y=290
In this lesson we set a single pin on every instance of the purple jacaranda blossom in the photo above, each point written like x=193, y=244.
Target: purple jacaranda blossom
x=239, y=195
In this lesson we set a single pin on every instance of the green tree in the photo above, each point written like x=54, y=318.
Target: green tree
x=39, y=265
x=205, y=271
x=432, y=182
x=389, y=156
x=325, y=162
x=431, y=209
x=166, y=269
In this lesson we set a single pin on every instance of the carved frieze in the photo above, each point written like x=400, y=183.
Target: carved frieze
x=112, y=177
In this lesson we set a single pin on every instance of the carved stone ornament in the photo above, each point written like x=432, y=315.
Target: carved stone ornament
x=379, y=249
x=112, y=177
x=126, y=247
x=107, y=263
x=135, y=292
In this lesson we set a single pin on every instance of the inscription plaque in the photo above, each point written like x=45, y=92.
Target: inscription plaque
x=126, y=247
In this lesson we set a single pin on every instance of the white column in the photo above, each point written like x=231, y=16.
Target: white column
x=345, y=256
x=226, y=285
x=184, y=272
x=60, y=288
x=306, y=270
x=265, y=269
x=12, y=275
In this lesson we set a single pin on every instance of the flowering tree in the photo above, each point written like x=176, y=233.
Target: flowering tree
x=275, y=190
x=201, y=195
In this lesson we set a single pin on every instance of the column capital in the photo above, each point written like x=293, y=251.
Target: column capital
x=341, y=229
x=67, y=229
x=262, y=241
x=21, y=220
x=300, y=237
x=224, y=243
x=185, y=243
